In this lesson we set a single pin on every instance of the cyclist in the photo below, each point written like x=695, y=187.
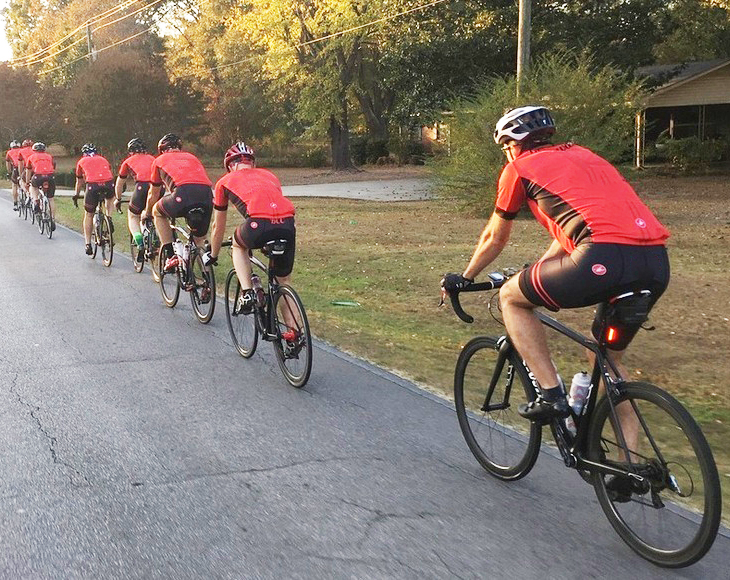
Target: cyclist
x=606, y=241
x=269, y=215
x=138, y=166
x=39, y=170
x=11, y=164
x=93, y=173
x=26, y=150
x=189, y=187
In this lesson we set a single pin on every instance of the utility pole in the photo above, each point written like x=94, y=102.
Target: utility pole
x=92, y=53
x=523, y=41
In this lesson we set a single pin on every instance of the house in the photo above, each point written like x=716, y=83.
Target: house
x=691, y=99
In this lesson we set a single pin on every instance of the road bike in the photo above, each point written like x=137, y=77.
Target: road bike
x=191, y=274
x=102, y=232
x=277, y=316
x=648, y=461
x=43, y=218
x=150, y=246
x=24, y=203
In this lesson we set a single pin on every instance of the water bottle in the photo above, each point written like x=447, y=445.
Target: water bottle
x=579, y=388
x=178, y=247
x=258, y=289
x=96, y=220
x=186, y=253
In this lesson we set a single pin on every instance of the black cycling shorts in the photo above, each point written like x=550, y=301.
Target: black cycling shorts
x=186, y=197
x=15, y=175
x=95, y=192
x=255, y=232
x=138, y=200
x=594, y=273
x=45, y=182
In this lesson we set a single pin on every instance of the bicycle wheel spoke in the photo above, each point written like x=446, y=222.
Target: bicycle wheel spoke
x=242, y=327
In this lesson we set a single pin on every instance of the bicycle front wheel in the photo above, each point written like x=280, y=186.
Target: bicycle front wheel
x=202, y=291
x=135, y=250
x=243, y=329
x=106, y=241
x=169, y=282
x=504, y=444
x=672, y=518
x=293, y=345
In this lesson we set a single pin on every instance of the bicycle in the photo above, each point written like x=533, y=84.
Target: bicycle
x=150, y=246
x=637, y=480
x=191, y=274
x=278, y=316
x=102, y=235
x=44, y=219
x=23, y=199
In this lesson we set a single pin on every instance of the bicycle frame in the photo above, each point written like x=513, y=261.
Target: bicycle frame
x=572, y=448
x=266, y=332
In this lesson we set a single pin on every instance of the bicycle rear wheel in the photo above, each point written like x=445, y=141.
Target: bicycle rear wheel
x=169, y=282
x=202, y=292
x=20, y=204
x=243, y=328
x=106, y=241
x=153, y=251
x=41, y=222
x=673, y=456
x=504, y=444
x=47, y=219
x=293, y=345
x=135, y=250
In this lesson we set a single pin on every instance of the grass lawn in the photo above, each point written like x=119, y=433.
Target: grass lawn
x=389, y=258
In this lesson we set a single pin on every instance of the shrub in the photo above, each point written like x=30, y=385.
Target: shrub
x=692, y=154
x=364, y=150
x=592, y=106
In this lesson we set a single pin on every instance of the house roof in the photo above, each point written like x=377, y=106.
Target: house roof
x=671, y=75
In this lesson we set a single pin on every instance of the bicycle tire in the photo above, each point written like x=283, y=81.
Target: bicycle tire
x=202, y=280
x=48, y=219
x=675, y=436
x=134, y=250
x=106, y=241
x=31, y=211
x=153, y=249
x=20, y=205
x=243, y=328
x=504, y=444
x=294, y=356
x=41, y=222
x=169, y=282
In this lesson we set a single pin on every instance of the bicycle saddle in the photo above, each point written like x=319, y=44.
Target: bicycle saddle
x=275, y=247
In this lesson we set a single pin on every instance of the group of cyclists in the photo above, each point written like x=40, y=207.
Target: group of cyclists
x=31, y=169
x=188, y=192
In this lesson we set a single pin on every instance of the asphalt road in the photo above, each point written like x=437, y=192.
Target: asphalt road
x=137, y=444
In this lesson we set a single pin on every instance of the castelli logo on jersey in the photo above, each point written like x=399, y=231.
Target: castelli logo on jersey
x=599, y=269
x=254, y=225
x=273, y=204
x=640, y=222
x=178, y=199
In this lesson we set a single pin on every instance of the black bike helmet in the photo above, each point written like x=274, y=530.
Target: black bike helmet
x=136, y=145
x=169, y=141
x=39, y=146
x=88, y=149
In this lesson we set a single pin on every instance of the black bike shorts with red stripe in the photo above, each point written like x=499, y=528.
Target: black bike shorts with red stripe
x=593, y=274
x=96, y=191
x=255, y=232
x=47, y=183
x=138, y=201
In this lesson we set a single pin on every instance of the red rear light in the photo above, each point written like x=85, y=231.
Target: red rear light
x=611, y=334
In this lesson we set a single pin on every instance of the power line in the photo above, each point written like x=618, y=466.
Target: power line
x=91, y=20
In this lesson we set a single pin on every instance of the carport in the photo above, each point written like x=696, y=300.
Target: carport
x=692, y=99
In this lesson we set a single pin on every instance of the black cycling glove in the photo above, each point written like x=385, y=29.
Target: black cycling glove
x=455, y=282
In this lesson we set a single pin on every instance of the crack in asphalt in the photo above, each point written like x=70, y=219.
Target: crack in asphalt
x=75, y=474
x=449, y=570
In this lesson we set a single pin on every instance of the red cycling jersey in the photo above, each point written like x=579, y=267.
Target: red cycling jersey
x=13, y=155
x=578, y=197
x=41, y=163
x=178, y=168
x=254, y=192
x=94, y=169
x=138, y=166
x=24, y=153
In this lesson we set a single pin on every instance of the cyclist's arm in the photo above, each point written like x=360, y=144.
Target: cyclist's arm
x=9, y=166
x=79, y=184
x=219, y=227
x=119, y=186
x=493, y=240
x=152, y=197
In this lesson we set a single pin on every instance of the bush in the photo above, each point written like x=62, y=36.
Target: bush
x=406, y=150
x=65, y=179
x=364, y=150
x=592, y=106
x=692, y=154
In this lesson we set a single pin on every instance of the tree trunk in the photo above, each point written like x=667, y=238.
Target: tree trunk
x=340, y=138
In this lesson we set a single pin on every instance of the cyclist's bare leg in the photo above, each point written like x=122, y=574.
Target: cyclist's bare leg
x=88, y=225
x=527, y=333
x=15, y=192
x=34, y=194
x=52, y=206
x=134, y=224
x=242, y=264
x=162, y=224
x=289, y=309
x=626, y=416
x=109, y=206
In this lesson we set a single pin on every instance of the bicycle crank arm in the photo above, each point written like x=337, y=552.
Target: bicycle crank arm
x=593, y=466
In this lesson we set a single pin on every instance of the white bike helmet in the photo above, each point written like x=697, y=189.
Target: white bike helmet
x=523, y=122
